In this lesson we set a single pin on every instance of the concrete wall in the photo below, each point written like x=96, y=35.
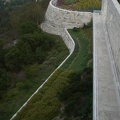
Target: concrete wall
x=59, y=31
x=66, y=18
x=111, y=11
x=57, y=20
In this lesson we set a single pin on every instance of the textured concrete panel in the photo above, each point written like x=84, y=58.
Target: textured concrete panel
x=106, y=35
x=113, y=28
x=57, y=20
x=66, y=18
x=106, y=103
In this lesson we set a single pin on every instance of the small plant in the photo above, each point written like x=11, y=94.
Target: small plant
x=82, y=5
x=75, y=29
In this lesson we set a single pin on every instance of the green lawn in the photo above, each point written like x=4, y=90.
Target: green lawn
x=47, y=103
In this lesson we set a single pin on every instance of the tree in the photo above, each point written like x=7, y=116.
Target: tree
x=1, y=5
x=12, y=59
x=40, y=55
x=28, y=27
x=26, y=54
x=1, y=53
x=33, y=12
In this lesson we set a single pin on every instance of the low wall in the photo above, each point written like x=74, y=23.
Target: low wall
x=57, y=20
x=66, y=18
x=111, y=9
x=62, y=32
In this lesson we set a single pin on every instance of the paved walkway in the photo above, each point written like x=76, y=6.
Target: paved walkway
x=106, y=102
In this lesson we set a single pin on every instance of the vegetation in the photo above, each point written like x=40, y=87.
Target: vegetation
x=66, y=2
x=12, y=15
x=81, y=5
x=70, y=1
x=27, y=54
x=76, y=97
x=89, y=5
x=68, y=93
x=25, y=66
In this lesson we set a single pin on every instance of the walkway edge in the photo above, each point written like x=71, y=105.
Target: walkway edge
x=94, y=71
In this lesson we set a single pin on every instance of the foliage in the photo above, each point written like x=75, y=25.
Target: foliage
x=19, y=2
x=32, y=70
x=88, y=5
x=36, y=62
x=1, y=4
x=25, y=65
x=70, y=87
x=26, y=70
x=82, y=5
x=14, y=15
x=44, y=4
x=74, y=95
x=12, y=59
x=70, y=1
x=28, y=27
x=2, y=43
x=32, y=47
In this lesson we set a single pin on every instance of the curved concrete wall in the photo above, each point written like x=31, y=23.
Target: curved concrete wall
x=111, y=11
x=66, y=18
x=57, y=20
x=59, y=31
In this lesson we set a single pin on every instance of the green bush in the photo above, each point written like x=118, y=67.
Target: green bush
x=76, y=93
x=32, y=70
x=28, y=27
x=68, y=92
x=70, y=1
x=82, y=5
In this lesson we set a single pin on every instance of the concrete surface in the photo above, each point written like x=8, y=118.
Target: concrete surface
x=112, y=23
x=66, y=18
x=106, y=101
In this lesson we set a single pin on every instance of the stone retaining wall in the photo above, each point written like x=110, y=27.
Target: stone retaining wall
x=66, y=18
x=57, y=20
x=62, y=32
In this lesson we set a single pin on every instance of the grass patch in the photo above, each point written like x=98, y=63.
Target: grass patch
x=47, y=103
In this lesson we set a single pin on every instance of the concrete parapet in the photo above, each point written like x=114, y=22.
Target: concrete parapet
x=106, y=34
x=106, y=104
x=112, y=23
x=66, y=18
x=57, y=20
x=57, y=30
